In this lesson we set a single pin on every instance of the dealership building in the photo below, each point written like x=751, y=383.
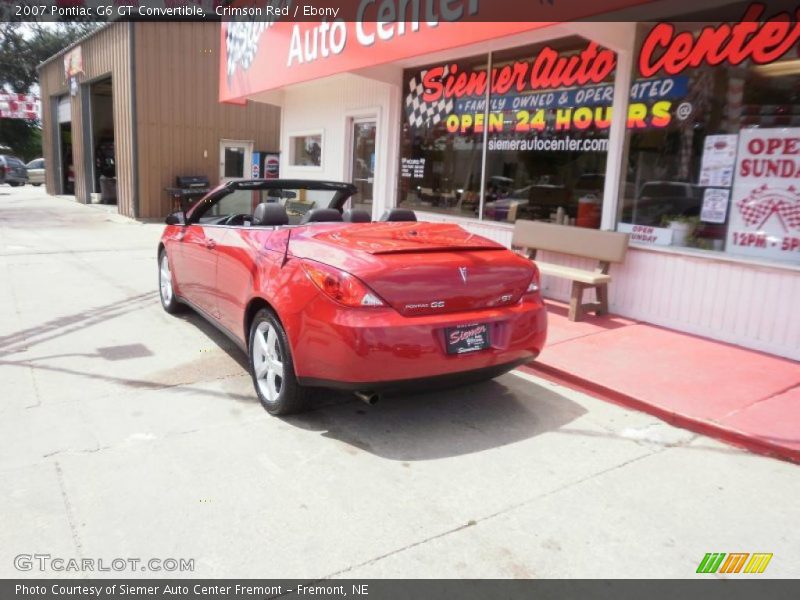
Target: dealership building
x=484, y=123
x=132, y=106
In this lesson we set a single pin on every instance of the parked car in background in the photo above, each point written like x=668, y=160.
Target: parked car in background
x=660, y=199
x=36, y=171
x=537, y=200
x=12, y=170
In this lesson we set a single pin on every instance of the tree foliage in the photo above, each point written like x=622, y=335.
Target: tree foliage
x=22, y=136
x=23, y=46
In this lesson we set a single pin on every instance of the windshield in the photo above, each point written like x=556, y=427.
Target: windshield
x=236, y=204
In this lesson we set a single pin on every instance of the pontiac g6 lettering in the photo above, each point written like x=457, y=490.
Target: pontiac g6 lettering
x=438, y=304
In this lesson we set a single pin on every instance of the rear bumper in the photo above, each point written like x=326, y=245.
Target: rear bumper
x=379, y=349
x=421, y=384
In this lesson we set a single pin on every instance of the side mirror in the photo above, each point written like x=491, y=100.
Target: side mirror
x=176, y=218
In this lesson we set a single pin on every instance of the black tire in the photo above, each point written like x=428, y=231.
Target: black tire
x=291, y=397
x=14, y=183
x=36, y=184
x=169, y=302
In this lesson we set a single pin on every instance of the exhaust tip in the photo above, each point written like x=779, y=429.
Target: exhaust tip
x=370, y=398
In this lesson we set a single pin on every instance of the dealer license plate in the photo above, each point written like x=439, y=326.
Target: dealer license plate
x=467, y=338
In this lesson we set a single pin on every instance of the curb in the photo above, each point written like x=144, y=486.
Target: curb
x=711, y=429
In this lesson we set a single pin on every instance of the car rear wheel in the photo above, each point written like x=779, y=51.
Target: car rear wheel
x=272, y=368
x=166, y=285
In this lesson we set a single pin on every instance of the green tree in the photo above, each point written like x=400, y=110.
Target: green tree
x=22, y=136
x=23, y=46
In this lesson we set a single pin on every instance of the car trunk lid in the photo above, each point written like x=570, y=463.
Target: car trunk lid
x=432, y=268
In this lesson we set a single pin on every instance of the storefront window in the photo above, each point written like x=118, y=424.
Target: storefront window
x=440, y=160
x=547, y=160
x=712, y=152
x=305, y=150
x=718, y=169
x=546, y=134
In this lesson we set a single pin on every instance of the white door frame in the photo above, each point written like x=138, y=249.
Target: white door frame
x=366, y=115
x=248, y=157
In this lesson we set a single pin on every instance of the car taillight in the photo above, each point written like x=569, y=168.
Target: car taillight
x=533, y=286
x=341, y=286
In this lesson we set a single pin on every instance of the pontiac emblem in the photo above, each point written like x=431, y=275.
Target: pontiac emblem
x=463, y=272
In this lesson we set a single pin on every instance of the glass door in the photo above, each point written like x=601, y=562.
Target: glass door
x=234, y=159
x=363, y=162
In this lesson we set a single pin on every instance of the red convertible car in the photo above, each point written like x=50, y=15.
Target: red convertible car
x=319, y=296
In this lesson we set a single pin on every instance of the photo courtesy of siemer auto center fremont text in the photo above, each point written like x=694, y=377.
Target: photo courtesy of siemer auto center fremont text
x=400, y=299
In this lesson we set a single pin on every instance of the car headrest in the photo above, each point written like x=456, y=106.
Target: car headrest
x=399, y=214
x=271, y=214
x=321, y=215
x=356, y=215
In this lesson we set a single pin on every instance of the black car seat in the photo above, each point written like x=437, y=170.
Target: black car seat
x=399, y=214
x=270, y=214
x=321, y=215
x=356, y=215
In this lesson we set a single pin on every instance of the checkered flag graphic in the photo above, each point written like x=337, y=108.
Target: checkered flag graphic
x=791, y=214
x=763, y=202
x=756, y=208
x=425, y=114
x=242, y=44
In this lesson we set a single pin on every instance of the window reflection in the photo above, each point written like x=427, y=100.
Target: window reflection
x=440, y=160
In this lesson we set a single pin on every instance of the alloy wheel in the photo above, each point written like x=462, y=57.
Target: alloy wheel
x=267, y=361
x=165, y=280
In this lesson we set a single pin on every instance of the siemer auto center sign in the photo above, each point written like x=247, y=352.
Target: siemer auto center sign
x=277, y=51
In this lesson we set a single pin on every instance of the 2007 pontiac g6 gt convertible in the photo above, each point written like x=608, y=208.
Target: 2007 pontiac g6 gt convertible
x=319, y=296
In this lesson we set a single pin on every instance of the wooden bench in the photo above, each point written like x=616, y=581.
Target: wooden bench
x=604, y=246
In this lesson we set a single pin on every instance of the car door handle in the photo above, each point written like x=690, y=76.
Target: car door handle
x=211, y=244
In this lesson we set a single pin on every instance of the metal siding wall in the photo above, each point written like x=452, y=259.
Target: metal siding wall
x=52, y=83
x=178, y=114
x=105, y=53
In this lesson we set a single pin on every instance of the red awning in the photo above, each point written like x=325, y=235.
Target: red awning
x=259, y=56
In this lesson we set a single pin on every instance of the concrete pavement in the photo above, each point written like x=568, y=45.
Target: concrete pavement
x=130, y=433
